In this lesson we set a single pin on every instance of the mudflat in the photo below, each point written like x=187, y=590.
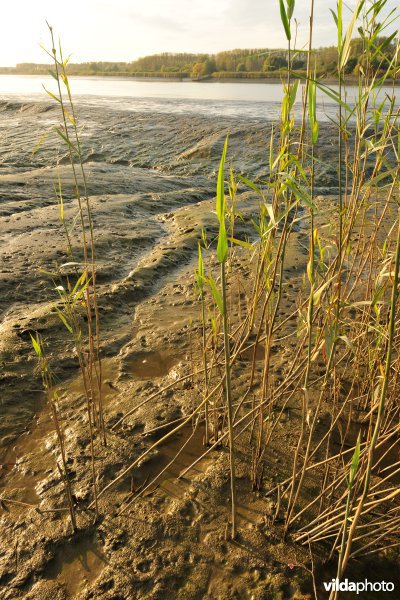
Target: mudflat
x=162, y=529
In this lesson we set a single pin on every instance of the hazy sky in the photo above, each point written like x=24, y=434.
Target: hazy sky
x=126, y=29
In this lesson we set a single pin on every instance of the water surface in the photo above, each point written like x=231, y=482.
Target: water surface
x=235, y=99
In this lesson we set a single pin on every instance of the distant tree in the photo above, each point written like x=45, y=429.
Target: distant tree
x=299, y=64
x=274, y=63
x=197, y=70
x=331, y=67
x=209, y=66
x=326, y=60
x=356, y=48
x=252, y=61
x=351, y=65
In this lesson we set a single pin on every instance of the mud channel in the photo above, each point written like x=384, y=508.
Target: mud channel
x=160, y=535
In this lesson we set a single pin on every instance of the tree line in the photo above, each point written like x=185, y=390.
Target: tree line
x=238, y=63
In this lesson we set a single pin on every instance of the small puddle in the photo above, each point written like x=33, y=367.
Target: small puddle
x=183, y=449
x=76, y=565
x=149, y=365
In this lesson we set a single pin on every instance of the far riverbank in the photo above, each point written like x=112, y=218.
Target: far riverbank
x=218, y=77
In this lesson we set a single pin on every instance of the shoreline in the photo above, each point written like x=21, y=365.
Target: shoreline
x=264, y=80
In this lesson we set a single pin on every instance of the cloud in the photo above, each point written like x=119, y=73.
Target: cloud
x=263, y=18
x=165, y=24
x=127, y=29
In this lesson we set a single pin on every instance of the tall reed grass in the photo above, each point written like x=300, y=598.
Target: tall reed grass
x=74, y=281
x=342, y=371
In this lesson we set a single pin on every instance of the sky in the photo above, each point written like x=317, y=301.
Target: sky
x=123, y=30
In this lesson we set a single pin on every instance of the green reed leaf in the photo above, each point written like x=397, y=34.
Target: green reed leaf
x=216, y=294
x=290, y=8
x=374, y=180
x=81, y=280
x=334, y=17
x=78, y=295
x=270, y=210
x=200, y=263
x=40, y=142
x=53, y=74
x=300, y=193
x=271, y=149
x=221, y=184
x=311, y=102
x=378, y=295
x=345, y=50
x=63, y=319
x=240, y=243
x=36, y=345
x=314, y=133
x=284, y=19
x=312, y=109
x=66, y=140
x=70, y=119
x=204, y=237
x=52, y=95
x=310, y=274
x=66, y=61
x=65, y=81
x=317, y=295
x=339, y=25
x=293, y=93
x=250, y=184
x=222, y=248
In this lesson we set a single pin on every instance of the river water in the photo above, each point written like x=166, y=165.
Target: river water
x=239, y=99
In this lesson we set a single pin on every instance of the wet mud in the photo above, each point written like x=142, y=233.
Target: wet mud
x=161, y=533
